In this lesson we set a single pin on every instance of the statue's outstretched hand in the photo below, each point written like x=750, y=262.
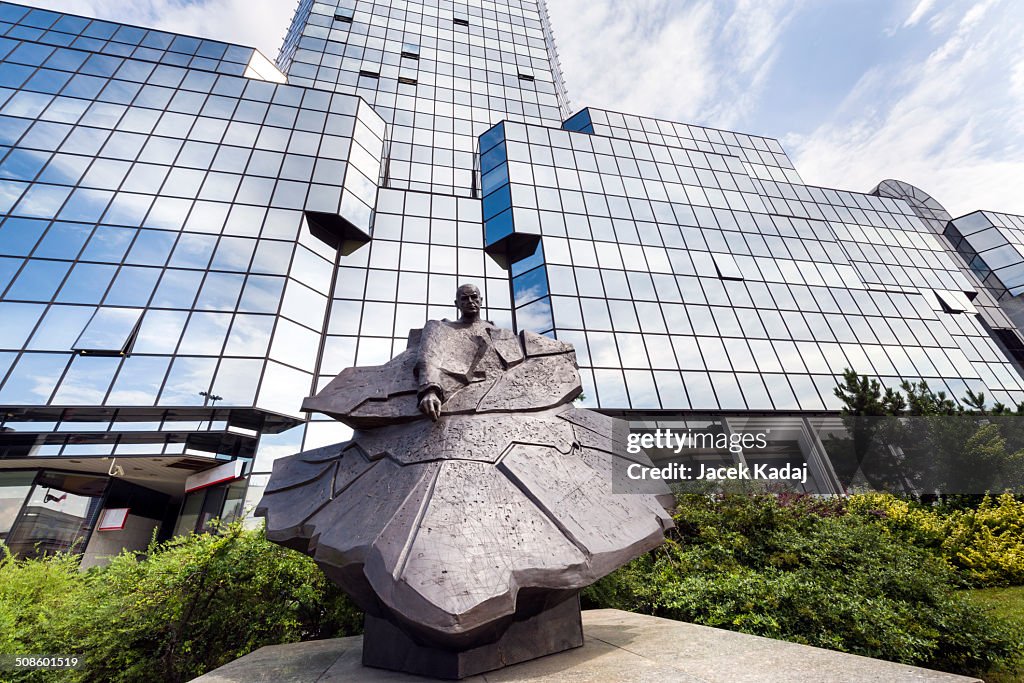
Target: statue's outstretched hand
x=430, y=405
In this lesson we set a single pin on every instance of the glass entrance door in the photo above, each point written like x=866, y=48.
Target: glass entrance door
x=58, y=515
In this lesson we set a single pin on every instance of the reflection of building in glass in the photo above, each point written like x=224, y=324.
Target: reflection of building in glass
x=992, y=244
x=193, y=240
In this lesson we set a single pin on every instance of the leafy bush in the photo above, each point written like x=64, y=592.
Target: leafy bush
x=984, y=544
x=814, y=573
x=189, y=605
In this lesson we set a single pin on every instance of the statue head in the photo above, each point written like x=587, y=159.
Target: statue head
x=468, y=301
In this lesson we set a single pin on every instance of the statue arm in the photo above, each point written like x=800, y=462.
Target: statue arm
x=428, y=368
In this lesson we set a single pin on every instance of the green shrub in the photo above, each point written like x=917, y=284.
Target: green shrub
x=187, y=606
x=810, y=572
x=984, y=544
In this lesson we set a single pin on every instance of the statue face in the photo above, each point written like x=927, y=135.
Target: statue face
x=468, y=301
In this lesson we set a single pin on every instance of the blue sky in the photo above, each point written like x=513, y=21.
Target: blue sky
x=925, y=91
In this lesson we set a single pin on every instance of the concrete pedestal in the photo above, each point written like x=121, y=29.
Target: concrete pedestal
x=618, y=646
x=553, y=630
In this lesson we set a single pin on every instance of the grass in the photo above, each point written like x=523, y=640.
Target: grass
x=1007, y=603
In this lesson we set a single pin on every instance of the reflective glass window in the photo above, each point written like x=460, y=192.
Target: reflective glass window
x=38, y=280
x=160, y=331
x=87, y=283
x=60, y=327
x=33, y=377
x=205, y=333
x=109, y=331
x=86, y=381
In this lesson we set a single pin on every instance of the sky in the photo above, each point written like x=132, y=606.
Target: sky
x=857, y=91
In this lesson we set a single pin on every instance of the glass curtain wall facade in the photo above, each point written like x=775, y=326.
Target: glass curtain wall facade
x=193, y=239
x=692, y=269
x=173, y=213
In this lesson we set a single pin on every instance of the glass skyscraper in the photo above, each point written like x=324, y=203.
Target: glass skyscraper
x=195, y=239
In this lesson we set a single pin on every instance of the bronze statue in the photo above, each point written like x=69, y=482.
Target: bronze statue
x=472, y=503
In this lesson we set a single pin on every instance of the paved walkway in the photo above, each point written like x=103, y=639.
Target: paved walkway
x=620, y=647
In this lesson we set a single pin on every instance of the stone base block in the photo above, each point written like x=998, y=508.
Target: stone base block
x=554, y=630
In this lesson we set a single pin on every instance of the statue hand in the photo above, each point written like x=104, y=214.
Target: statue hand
x=430, y=405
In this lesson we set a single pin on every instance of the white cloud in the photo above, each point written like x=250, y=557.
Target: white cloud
x=948, y=124
x=700, y=61
x=256, y=23
x=920, y=10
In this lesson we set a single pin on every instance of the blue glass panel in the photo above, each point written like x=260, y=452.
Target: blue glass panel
x=101, y=65
x=19, y=321
x=71, y=24
x=66, y=59
x=19, y=235
x=6, y=45
x=139, y=381
x=188, y=377
x=211, y=49
x=185, y=44
x=166, y=75
x=220, y=291
x=45, y=135
x=10, y=191
x=33, y=54
x=262, y=294
x=237, y=53
x=65, y=169
x=132, y=287
x=158, y=40
x=530, y=286
x=23, y=164
x=14, y=75
x=87, y=283
x=8, y=268
x=271, y=257
x=33, y=377
x=109, y=330
x=41, y=18
x=495, y=156
x=496, y=202
x=178, y=288
x=205, y=333
x=237, y=380
x=120, y=92
x=85, y=87
x=136, y=71
x=11, y=129
x=154, y=97
x=492, y=137
x=580, y=121
x=38, y=280
x=28, y=104
x=66, y=109
x=100, y=29
x=498, y=227
x=109, y=244
x=60, y=327
x=86, y=381
x=160, y=332
x=151, y=248
x=86, y=205
x=532, y=261
x=129, y=34
x=494, y=179
x=42, y=200
x=12, y=13
x=24, y=33
x=48, y=81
